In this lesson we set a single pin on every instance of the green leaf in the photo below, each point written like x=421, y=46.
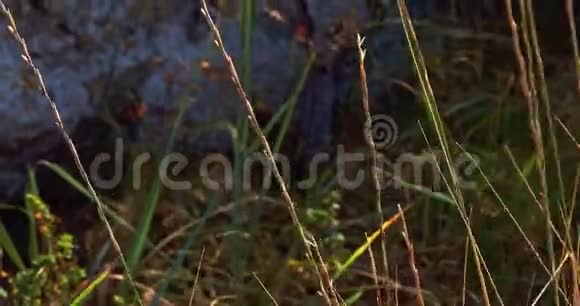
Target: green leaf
x=292, y=102
x=142, y=231
x=285, y=112
x=31, y=189
x=151, y=201
x=8, y=246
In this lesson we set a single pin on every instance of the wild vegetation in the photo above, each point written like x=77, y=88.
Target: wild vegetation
x=493, y=221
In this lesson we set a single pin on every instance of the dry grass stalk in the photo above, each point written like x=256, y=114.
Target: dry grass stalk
x=453, y=185
x=464, y=288
x=191, y=297
x=375, y=274
x=309, y=243
x=411, y=249
x=528, y=81
x=372, y=148
x=148, y=291
x=551, y=280
x=68, y=140
x=270, y=296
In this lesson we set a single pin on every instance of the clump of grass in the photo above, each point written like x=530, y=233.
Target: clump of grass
x=546, y=152
x=329, y=293
x=142, y=232
x=535, y=92
x=442, y=139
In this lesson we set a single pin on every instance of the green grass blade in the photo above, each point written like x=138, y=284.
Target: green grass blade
x=241, y=146
x=78, y=301
x=292, y=102
x=65, y=175
x=188, y=244
x=255, y=145
x=31, y=188
x=354, y=298
x=574, y=39
x=144, y=225
x=286, y=111
x=8, y=246
x=440, y=131
x=434, y=195
x=4, y=206
x=246, y=28
x=150, y=204
x=246, y=34
x=529, y=165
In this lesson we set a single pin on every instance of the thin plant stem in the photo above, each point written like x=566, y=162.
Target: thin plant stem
x=270, y=296
x=411, y=250
x=545, y=97
x=309, y=243
x=372, y=149
x=434, y=115
x=192, y=296
x=552, y=279
x=375, y=274
x=528, y=87
x=68, y=140
x=572, y=23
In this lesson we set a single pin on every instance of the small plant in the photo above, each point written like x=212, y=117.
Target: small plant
x=54, y=274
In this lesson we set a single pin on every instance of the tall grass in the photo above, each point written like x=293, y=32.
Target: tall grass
x=453, y=185
x=310, y=245
x=533, y=86
x=535, y=90
x=138, y=243
x=240, y=144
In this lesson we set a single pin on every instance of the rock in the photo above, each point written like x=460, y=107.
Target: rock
x=162, y=55
x=88, y=55
x=327, y=15
x=25, y=116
